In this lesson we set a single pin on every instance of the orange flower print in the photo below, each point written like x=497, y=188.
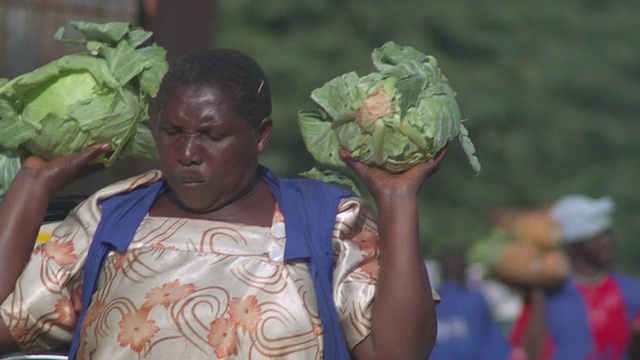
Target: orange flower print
x=367, y=241
x=65, y=311
x=19, y=332
x=93, y=312
x=223, y=338
x=60, y=252
x=167, y=294
x=136, y=331
x=245, y=312
x=370, y=267
x=77, y=299
x=317, y=329
x=37, y=250
x=120, y=259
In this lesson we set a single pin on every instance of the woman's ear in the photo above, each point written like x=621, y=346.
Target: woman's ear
x=264, y=133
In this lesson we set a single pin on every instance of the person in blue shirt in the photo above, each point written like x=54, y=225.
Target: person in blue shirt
x=466, y=328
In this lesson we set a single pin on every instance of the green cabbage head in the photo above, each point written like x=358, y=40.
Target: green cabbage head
x=394, y=118
x=101, y=94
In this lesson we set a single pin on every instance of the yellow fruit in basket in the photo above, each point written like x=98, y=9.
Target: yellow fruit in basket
x=538, y=228
x=517, y=262
x=555, y=265
x=524, y=263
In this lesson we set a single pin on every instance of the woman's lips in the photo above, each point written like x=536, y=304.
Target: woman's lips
x=188, y=180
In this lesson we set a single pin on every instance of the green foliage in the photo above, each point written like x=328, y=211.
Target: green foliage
x=550, y=92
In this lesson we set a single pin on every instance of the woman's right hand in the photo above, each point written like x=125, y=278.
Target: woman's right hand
x=60, y=172
x=24, y=207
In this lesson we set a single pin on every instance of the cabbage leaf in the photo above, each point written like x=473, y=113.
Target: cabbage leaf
x=98, y=95
x=394, y=118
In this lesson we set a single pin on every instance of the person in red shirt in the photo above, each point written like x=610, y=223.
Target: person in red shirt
x=594, y=313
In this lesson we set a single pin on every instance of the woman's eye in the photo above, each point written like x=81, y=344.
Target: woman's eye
x=171, y=131
x=212, y=135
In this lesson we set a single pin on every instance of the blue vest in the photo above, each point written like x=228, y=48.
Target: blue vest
x=309, y=209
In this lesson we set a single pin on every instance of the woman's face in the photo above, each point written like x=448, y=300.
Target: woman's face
x=599, y=250
x=208, y=153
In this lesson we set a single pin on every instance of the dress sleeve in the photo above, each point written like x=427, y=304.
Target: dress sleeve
x=355, y=242
x=41, y=313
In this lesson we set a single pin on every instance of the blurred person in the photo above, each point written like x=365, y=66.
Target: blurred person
x=213, y=255
x=466, y=328
x=594, y=313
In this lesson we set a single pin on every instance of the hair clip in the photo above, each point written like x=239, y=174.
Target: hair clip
x=260, y=87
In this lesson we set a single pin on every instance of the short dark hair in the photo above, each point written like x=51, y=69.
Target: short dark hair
x=229, y=70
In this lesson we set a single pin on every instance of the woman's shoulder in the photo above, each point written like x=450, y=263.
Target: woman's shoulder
x=90, y=211
x=126, y=185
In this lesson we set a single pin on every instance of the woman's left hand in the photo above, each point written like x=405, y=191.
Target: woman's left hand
x=380, y=182
x=409, y=332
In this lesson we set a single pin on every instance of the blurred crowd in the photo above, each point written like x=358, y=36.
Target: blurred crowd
x=547, y=288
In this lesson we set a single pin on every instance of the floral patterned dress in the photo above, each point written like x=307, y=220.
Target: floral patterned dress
x=192, y=289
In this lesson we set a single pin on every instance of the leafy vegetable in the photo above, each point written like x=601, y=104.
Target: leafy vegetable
x=98, y=95
x=521, y=256
x=395, y=118
x=487, y=250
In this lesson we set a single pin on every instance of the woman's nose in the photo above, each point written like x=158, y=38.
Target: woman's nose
x=189, y=150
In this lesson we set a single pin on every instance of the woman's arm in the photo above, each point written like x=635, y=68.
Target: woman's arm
x=23, y=209
x=536, y=328
x=21, y=214
x=403, y=316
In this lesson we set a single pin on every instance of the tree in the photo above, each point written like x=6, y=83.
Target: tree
x=550, y=92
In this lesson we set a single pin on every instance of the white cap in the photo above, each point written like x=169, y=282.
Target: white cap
x=582, y=217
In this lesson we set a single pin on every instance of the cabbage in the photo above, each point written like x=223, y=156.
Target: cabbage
x=487, y=250
x=99, y=95
x=395, y=118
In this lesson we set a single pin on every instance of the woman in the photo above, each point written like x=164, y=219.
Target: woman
x=206, y=273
